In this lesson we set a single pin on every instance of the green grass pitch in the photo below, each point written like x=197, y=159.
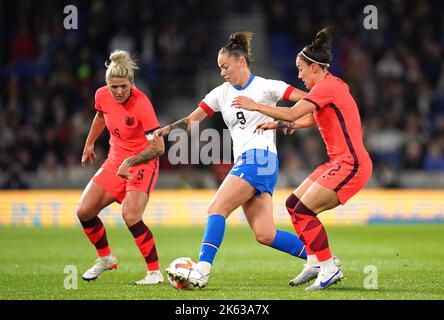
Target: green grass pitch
x=408, y=258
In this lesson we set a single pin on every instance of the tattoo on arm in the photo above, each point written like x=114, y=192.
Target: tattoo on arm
x=284, y=124
x=145, y=156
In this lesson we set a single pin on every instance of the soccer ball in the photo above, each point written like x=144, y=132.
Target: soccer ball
x=184, y=265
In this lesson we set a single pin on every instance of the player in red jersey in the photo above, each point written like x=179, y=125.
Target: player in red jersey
x=130, y=171
x=330, y=105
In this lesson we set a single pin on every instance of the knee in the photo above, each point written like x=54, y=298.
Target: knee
x=84, y=214
x=265, y=238
x=130, y=217
x=216, y=208
x=291, y=202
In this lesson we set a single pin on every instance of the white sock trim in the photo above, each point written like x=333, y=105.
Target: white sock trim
x=107, y=257
x=204, y=267
x=328, y=265
x=312, y=260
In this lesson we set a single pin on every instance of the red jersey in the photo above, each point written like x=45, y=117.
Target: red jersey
x=127, y=123
x=337, y=116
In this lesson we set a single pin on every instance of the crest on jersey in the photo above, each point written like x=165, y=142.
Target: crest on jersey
x=129, y=121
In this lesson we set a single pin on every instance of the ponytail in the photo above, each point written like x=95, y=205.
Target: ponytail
x=120, y=65
x=319, y=51
x=240, y=45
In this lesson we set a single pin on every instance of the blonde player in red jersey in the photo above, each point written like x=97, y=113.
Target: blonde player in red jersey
x=130, y=171
x=330, y=105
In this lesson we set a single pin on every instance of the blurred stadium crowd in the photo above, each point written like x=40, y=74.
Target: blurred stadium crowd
x=49, y=76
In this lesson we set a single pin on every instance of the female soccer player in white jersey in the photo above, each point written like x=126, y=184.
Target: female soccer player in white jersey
x=251, y=181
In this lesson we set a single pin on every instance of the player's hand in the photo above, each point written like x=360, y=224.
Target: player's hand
x=289, y=131
x=88, y=153
x=161, y=132
x=123, y=171
x=242, y=102
x=269, y=125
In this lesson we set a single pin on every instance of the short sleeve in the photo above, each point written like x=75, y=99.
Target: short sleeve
x=279, y=90
x=210, y=104
x=320, y=95
x=148, y=116
x=97, y=102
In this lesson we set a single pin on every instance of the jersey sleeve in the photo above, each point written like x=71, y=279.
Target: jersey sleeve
x=320, y=95
x=279, y=90
x=97, y=101
x=148, y=116
x=210, y=104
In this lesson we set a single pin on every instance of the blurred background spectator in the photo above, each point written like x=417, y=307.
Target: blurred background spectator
x=49, y=76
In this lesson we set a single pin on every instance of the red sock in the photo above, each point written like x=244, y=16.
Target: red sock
x=291, y=203
x=312, y=232
x=145, y=241
x=96, y=233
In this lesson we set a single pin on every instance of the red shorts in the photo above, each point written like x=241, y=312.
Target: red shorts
x=344, y=178
x=143, y=178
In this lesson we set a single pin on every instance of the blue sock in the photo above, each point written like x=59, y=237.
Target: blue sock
x=214, y=234
x=289, y=243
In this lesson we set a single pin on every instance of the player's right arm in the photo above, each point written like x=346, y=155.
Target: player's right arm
x=196, y=116
x=97, y=127
x=296, y=95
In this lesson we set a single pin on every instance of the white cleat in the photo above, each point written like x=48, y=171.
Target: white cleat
x=179, y=273
x=326, y=279
x=309, y=273
x=336, y=261
x=100, y=267
x=191, y=276
x=152, y=277
x=197, y=279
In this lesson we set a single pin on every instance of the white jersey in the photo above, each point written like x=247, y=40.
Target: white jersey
x=242, y=123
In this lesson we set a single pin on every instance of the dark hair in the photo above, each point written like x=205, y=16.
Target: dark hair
x=239, y=45
x=319, y=51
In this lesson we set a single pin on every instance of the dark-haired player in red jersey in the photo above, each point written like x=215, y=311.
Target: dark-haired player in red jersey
x=330, y=105
x=129, y=173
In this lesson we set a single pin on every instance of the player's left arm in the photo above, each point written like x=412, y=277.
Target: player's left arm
x=153, y=151
x=306, y=121
x=300, y=109
x=289, y=128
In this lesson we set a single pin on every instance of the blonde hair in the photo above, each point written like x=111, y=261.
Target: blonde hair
x=120, y=65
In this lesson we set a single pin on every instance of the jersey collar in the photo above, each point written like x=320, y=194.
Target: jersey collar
x=245, y=86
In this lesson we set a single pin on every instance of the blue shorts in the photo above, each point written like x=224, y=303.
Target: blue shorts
x=260, y=168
